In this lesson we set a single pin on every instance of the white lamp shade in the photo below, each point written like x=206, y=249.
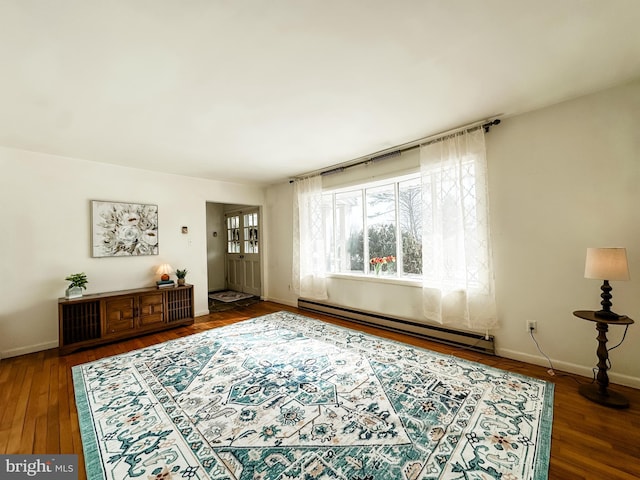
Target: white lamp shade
x=164, y=269
x=606, y=264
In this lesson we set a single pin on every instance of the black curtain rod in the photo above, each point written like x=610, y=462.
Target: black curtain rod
x=394, y=153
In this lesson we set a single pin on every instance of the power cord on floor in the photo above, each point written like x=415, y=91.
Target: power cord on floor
x=552, y=370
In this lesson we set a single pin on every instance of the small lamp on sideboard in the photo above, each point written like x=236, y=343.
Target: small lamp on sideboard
x=164, y=270
x=606, y=264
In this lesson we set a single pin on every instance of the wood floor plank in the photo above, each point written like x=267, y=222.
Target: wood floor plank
x=39, y=413
x=11, y=384
x=65, y=400
x=52, y=439
x=19, y=420
x=36, y=388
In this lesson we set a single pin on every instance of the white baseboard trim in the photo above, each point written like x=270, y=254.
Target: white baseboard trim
x=290, y=303
x=614, y=377
x=16, y=352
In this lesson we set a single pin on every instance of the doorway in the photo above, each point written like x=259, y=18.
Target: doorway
x=243, y=251
x=234, y=248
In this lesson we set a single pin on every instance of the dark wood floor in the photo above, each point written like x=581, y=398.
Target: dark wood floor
x=38, y=412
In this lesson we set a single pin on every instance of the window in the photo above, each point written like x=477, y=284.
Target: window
x=410, y=218
x=250, y=226
x=381, y=228
x=349, y=230
x=233, y=234
x=390, y=214
x=242, y=233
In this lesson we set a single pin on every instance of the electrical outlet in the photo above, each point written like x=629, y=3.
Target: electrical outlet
x=532, y=326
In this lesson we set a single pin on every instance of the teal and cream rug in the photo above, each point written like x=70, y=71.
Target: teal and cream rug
x=287, y=397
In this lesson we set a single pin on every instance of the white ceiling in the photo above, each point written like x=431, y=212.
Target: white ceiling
x=261, y=90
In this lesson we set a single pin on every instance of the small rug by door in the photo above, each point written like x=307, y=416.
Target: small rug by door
x=288, y=397
x=229, y=296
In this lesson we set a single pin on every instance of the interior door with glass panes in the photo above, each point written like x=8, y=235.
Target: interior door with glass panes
x=243, y=252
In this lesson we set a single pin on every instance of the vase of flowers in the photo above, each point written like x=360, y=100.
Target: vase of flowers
x=78, y=283
x=380, y=263
x=181, y=274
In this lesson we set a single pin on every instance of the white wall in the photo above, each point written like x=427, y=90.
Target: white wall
x=45, y=214
x=216, y=246
x=562, y=179
x=277, y=231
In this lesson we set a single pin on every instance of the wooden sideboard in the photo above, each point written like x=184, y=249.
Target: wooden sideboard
x=105, y=317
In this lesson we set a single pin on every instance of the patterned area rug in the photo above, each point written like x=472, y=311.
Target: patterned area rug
x=229, y=296
x=287, y=397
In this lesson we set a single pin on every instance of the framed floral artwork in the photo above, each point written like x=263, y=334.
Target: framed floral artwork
x=123, y=229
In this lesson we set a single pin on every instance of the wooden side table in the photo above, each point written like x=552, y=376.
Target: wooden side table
x=598, y=392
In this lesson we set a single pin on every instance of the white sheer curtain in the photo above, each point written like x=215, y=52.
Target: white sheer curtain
x=457, y=270
x=308, y=276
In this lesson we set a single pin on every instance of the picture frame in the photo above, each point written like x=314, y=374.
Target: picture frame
x=123, y=229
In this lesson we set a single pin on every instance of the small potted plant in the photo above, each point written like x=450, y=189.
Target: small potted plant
x=78, y=283
x=181, y=274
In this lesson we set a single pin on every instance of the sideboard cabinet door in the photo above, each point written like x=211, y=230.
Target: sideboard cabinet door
x=151, y=309
x=120, y=315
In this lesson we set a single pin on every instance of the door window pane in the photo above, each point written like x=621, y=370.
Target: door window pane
x=381, y=229
x=349, y=228
x=233, y=234
x=250, y=232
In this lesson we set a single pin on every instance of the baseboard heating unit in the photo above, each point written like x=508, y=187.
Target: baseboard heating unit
x=458, y=338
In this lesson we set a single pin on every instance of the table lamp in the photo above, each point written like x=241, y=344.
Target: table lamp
x=164, y=270
x=606, y=264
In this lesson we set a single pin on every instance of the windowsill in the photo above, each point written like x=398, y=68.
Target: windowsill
x=406, y=282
